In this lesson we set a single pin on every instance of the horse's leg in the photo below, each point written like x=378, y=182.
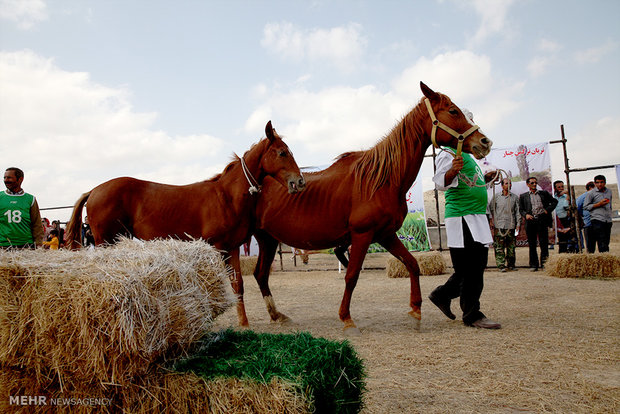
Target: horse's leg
x=236, y=280
x=359, y=247
x=267, y=247
x=340, y=255
x=393, y=245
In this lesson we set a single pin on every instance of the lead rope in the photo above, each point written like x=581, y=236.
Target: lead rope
x=254, y=186
x=471, y=182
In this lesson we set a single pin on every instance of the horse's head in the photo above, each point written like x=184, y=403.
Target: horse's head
x=449, y=126
x=278, y=162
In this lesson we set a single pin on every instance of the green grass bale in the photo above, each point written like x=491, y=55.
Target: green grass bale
x=329, y=374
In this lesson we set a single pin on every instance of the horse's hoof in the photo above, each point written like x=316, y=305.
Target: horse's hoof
x=352, y=331
x=415, y=314
x=282, y=319
x=417, y=325
x=417, y=319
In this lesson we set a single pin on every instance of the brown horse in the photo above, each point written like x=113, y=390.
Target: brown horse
x=361, y=199
x=219, y=210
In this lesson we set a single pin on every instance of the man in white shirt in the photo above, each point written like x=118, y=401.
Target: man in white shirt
x=469, y=236
x=504, y=208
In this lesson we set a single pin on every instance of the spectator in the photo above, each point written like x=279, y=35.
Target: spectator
x=598, y=203
x=504, y=210
x=584, y=217
x=535, y=207
x=53, y=243
x=562, y=214
x=87, y=234
x=61, y=232
x=20, y=218
x=47, y=227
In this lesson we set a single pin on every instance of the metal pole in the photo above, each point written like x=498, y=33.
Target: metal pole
x=55, y=208
x=280, y=253
x=571, y=193
x=580, y=229
x=600, y=167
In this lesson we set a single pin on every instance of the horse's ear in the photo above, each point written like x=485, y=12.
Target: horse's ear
x=429, y=93
x=269, y=132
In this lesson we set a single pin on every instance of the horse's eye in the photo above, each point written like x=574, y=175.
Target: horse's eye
x=283, y=153
x=453, y=111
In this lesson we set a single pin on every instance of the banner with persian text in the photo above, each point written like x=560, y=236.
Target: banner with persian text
x=519, y=163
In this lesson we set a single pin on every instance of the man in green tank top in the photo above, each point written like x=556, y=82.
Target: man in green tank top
x=20, y=219
x=469, y=236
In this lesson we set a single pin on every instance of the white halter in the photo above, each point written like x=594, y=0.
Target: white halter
x=254, y=186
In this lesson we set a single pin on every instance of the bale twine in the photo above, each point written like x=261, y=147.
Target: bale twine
x=584, y=265
x=431, y=263
x=105, y=315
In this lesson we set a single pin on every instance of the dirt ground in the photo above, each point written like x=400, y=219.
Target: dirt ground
x=558, y=349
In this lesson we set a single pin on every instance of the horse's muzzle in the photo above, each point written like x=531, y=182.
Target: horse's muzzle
x=482, y=148
x=296, y=185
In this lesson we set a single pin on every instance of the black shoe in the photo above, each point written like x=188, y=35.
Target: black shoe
x=486, y=324
x=443, y=306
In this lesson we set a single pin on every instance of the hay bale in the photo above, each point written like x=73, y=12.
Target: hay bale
x=105, y=315
x=584, y=265
x=248, y=264
x=159, y=392
x=431, y=263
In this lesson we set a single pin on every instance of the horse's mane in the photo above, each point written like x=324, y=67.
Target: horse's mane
x=234, y=159
x=387, y=160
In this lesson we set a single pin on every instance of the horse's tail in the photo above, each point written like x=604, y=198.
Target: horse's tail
x=74, y=227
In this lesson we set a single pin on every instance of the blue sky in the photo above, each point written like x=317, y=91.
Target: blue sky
x=168, y=90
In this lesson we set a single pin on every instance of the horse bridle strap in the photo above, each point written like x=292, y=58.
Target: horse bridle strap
x=437, y=123
x=254, y=187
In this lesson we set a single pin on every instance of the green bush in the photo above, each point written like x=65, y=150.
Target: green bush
x=328, y=373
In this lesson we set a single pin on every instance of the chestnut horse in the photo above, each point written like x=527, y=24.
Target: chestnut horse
x=361, y=199
x=219, y=210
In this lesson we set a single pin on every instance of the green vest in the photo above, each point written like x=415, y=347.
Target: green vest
x=463, y=199
x=15, y=223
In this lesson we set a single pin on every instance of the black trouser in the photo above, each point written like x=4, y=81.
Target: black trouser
x=600, y=233
x=536, y=230
x=590, y=239
x=467, y=281
x=563, y=238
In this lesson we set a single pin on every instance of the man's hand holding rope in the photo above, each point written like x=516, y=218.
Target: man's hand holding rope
x=493, y=177
x=457, y=166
